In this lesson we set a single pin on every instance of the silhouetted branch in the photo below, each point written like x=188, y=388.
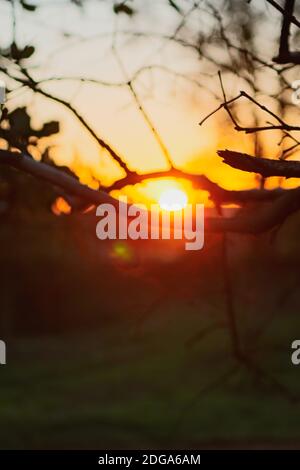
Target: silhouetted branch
x=282, y=125
x=263, y=218
x=141, y=108
x=218, y=194
x=258, y=220
x=54, y=176
x=29, y=82
x=278, y=7
x=285, y=55
x=264, y=166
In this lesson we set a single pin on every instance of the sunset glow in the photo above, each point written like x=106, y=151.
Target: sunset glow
x=173, y=200
x=60, y=206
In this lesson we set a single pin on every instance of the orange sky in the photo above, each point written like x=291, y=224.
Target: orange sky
x=174, y=105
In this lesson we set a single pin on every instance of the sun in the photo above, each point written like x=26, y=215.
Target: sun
x=173, y=200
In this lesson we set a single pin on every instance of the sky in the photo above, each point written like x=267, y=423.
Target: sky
x=93, y=42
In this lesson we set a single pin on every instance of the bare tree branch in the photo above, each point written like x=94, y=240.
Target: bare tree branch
x=54, y=176
x=218, y=194
x=263, y=218
x=259, y=220
x=285, y=55
x=284, y=126
x=264, y=166
x=278, y=7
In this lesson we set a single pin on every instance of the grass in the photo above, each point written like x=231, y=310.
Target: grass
x=116, y=389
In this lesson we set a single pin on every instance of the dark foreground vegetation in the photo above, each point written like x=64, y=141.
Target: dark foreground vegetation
x=109, y=345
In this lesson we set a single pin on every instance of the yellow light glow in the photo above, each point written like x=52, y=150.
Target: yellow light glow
x=61, y=206
x=173, y=200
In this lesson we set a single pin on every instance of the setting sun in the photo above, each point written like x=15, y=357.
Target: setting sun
x=173, y=200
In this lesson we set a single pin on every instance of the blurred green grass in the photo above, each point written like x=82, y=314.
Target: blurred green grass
x=115, y=388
